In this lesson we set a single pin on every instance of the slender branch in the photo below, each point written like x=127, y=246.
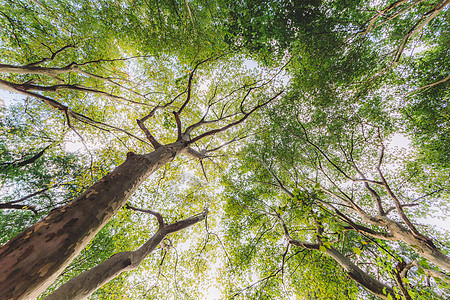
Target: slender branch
x=428, y=86
x=56, y=105
x=357, y=227
x=178, y=121
x=382, y=12
x=4, y=166
x=330, y=161
x=149, y=136
x=394, y=198
x=154, y=213
x=31, y=195
x=397, y=14
x=58, y=87
x=403, y=205
x=215, y=131
x=433, y=273
x=398, y=278
x=374, y=194
x=18, y=206
x=191, y=77
x=280, y=184
x=54, y=54
x=426, y=18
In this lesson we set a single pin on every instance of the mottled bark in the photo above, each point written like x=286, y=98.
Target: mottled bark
x=32, y=260
x=83, y=285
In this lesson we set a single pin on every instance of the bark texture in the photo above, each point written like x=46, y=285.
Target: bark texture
x=354, y=272
x=422, y=245
x=32, y=260
x=83, y=285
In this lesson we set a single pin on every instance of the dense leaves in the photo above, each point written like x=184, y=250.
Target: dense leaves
x=307, y=192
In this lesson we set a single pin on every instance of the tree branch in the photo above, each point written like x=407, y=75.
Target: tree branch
x=4, y=166
x=154, y=213
x=18, y=206
x=147, y=133
x=54, y=54
x=215, y=131
x=56, y=105
x=83, y=285
x=178, y=121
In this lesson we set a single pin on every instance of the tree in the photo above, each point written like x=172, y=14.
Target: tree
x=89, y=212
x=309, y=140
x=327, y=189
x=95, y=70
x=114, y=189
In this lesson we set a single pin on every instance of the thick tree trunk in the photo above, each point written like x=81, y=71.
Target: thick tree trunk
x=83, y=285
x=32, y=260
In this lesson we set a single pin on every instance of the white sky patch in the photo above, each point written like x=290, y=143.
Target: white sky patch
x=400, y=141
x=9, y=98
x=437, y=220
x=72, y=143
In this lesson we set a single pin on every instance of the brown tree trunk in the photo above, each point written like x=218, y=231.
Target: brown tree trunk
x=31, y=261
x=83, y=285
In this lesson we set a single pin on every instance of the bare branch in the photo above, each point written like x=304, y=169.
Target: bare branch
x=149, y=136
x=154, y=213
x=178, y=121
x=214, y=131
x=50, y=58
x=226, y=144
x=9, y=205
x=191, y=76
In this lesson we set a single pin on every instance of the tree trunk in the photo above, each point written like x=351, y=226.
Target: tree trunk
x=31, y=261
x=421, y=244
x=353, y=271
x=83, y=285
x=365, y=280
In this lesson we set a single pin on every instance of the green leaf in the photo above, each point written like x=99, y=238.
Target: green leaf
x=357, y=251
